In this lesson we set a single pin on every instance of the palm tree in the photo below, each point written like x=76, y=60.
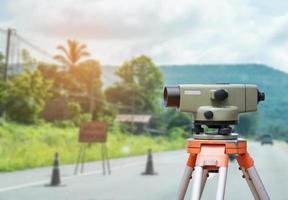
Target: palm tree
x=72, y=55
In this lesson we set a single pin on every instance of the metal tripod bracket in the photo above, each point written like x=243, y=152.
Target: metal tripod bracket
x=207, y=156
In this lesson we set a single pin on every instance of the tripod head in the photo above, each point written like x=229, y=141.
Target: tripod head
x=215, y=105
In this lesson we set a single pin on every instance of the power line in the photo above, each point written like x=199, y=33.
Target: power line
x=2, y=30
x=33, y=46
x=16, y=43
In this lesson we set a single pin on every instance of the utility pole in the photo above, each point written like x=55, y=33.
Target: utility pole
x=5, y=75
x=7, y=54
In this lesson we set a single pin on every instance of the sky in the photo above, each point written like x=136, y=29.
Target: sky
x=169, y=31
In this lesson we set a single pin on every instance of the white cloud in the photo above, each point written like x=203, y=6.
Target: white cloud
x=183, y=31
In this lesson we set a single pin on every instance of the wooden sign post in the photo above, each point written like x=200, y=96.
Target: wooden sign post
x=93, y=132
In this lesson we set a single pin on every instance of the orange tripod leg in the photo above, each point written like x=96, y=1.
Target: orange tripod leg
x=186, y=176
x=212, y=156
x=251, y=176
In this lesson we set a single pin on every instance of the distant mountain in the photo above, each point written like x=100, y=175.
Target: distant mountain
x=273, y=112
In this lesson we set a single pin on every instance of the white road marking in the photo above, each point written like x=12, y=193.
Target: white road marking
x=25, y=185
x=42, y=182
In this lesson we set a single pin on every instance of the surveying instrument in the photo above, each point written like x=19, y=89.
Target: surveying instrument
x=215, y=109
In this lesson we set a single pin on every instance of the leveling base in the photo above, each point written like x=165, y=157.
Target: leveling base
x=209, y=136
x=212, y=156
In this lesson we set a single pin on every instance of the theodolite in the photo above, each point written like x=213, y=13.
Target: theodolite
x=216, y=106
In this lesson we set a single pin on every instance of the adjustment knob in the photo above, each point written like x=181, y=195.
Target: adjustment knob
x=208, y=114
x=220, y=95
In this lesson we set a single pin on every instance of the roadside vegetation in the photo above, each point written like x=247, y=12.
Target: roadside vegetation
x=44, y=104
x=29, y=146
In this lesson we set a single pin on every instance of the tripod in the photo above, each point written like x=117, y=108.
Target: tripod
x=212, y=156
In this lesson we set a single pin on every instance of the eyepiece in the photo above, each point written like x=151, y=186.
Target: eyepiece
x=261, y=96
x=171, y=96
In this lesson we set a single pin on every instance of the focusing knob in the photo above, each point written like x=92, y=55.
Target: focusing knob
x=220, y=95
x=208, y=114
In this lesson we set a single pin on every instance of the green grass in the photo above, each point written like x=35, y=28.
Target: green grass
x=23, y=146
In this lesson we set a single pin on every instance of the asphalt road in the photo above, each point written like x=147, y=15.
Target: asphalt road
x=126, y=183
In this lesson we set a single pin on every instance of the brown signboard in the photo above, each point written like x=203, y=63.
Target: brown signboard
x=91, y=132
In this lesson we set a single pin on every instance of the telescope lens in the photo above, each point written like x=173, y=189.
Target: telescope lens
x=171, y=96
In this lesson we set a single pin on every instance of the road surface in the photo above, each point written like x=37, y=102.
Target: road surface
x=126, y=183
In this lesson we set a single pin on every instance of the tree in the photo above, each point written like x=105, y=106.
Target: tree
x=86, y=76
x=1, y=65
x=1, y=57
x=49, y=71
x=28, y=61
x=141, y=85
x=2, y=86
x=78, y=75
x=72, y=55
x=2, y=97
x=26, y=93
x=26, y=96
x=59, y=78
x=86, y=79
x=81, y=84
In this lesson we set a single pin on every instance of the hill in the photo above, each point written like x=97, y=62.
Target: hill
x=273, y=113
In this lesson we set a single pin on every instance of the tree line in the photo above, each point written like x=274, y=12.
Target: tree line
x=75, y=83
x=76, y=80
